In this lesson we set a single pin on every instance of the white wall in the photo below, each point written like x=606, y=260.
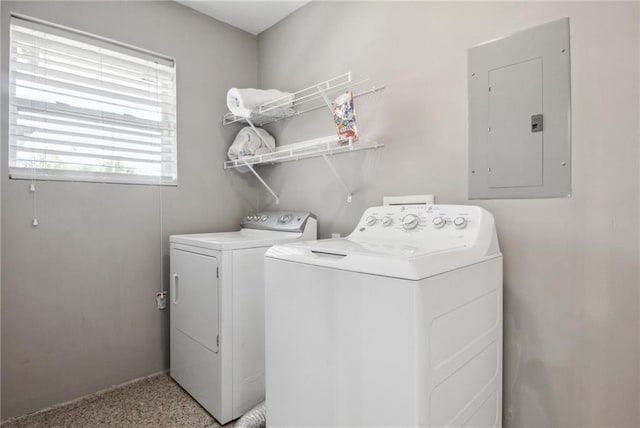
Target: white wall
x=0, y=250
x=571, y=265
x=78, y=310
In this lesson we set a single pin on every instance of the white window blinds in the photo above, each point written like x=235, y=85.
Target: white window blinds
x=88, y=109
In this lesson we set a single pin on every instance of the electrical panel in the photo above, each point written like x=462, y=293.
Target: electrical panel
x=519, y=115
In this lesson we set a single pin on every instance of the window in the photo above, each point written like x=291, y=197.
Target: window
x=88, y=109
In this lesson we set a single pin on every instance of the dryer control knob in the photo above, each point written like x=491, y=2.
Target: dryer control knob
x=410, y=221
x=285, y=218
x=438, y=222
x=371, y=220
x=386, y=221
x=264, y=218
x=460, y=222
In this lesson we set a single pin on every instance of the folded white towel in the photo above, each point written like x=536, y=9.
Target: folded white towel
x=248, y=143
x=245, y=102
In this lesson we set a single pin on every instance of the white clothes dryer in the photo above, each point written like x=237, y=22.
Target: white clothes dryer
x=399, y=324
x=217, y=309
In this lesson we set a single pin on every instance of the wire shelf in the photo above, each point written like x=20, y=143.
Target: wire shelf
x=306, y=149
x=302, y=101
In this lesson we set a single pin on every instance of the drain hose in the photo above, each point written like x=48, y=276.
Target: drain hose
x=254, y=418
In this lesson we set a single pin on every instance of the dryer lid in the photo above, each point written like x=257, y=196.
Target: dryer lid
x=243, y=238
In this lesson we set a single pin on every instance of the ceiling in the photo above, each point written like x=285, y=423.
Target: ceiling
x=251, y=16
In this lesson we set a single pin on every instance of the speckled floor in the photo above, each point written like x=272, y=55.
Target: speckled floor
x=152, y=402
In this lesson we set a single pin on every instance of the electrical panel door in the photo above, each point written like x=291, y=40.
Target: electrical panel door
x=515, y=95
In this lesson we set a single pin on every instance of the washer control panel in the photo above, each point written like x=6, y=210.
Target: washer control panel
x=289, y=221
x=419, y=221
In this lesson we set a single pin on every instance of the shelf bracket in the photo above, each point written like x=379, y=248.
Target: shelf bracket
x=337, y=175
x=264, y=183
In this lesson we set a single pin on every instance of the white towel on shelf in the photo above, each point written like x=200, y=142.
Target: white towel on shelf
x=246, y=102
x=248, y=143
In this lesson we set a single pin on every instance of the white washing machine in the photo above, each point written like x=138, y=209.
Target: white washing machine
x=217, y=309
x=399, y=324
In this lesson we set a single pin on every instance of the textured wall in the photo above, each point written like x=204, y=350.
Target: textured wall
x=0, y=248
x=78, y=311
x=571, y=265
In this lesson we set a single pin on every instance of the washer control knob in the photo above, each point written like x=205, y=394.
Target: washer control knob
x=285, y=218
x=371, y=220
x=410, y=221
x=386, y=221
x=438, y=222
x=460, y=222
x=264, y=218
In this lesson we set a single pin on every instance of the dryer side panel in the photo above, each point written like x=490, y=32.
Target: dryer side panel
x=248, y=329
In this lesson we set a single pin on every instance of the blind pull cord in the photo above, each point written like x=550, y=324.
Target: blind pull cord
x=32, y=189
x=161, y=296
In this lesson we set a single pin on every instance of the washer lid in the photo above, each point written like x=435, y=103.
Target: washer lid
x=384, y=258
x=379, y=248
x=243, y=238
x=410, y=242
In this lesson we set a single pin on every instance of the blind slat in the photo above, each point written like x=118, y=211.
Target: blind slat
x=68, y=112
x=121, y=118
x=63, y=174
x=90, y=128
x=84, y=164
x=128, y=51
x=72, y=168
x=81, y=141
x=35, y=57
x=86, y=154
x=74, y=95
x=26, y=38
x=150, y=93
x=87, y=159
